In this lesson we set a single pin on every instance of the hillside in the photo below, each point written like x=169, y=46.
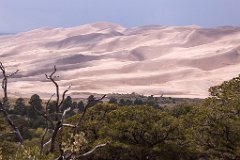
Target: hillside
x=108, y=58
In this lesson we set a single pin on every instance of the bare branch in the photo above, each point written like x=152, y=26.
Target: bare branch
x=51, y=78
x=47, y=143
x=69, y=125
x=4, y=83
x=3, y=105
x=64, y=113
x=42, y=139
x=93, y=150
x=47, y=126
x=54, y=71
x=1, y=66
x=63, y=96
x=10, y=122
x=54, y=136
x=46, y=108
x=89, y=104
x=57, y=127
x=60, y=122
x=12, y=74
x=44, y=115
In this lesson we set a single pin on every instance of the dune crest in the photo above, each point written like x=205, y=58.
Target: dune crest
x=105, y=58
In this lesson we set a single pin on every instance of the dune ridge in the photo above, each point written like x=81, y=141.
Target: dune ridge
x=178, y=61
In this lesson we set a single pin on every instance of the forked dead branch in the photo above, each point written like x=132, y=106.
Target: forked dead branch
x=4, y=103
x=54, y=122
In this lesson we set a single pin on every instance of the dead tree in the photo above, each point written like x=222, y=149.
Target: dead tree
x=56, y=127
x=91, y=102
x=4, y=105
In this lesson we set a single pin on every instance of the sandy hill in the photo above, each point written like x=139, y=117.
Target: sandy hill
x=106, y=58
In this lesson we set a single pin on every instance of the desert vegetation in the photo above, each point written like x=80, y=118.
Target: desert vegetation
x=126, y=128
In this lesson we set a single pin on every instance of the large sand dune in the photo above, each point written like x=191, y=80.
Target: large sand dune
x=106, y=58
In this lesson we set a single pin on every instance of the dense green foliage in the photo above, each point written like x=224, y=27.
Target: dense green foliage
x=137, y=129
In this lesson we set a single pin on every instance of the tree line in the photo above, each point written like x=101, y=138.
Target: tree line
x=122, y=129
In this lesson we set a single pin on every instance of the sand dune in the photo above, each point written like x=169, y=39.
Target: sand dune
x=105, y=58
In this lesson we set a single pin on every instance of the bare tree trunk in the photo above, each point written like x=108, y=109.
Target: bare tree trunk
x=49, y=146
x=4, y=105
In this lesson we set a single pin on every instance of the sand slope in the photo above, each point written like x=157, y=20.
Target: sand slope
x=105, y=58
